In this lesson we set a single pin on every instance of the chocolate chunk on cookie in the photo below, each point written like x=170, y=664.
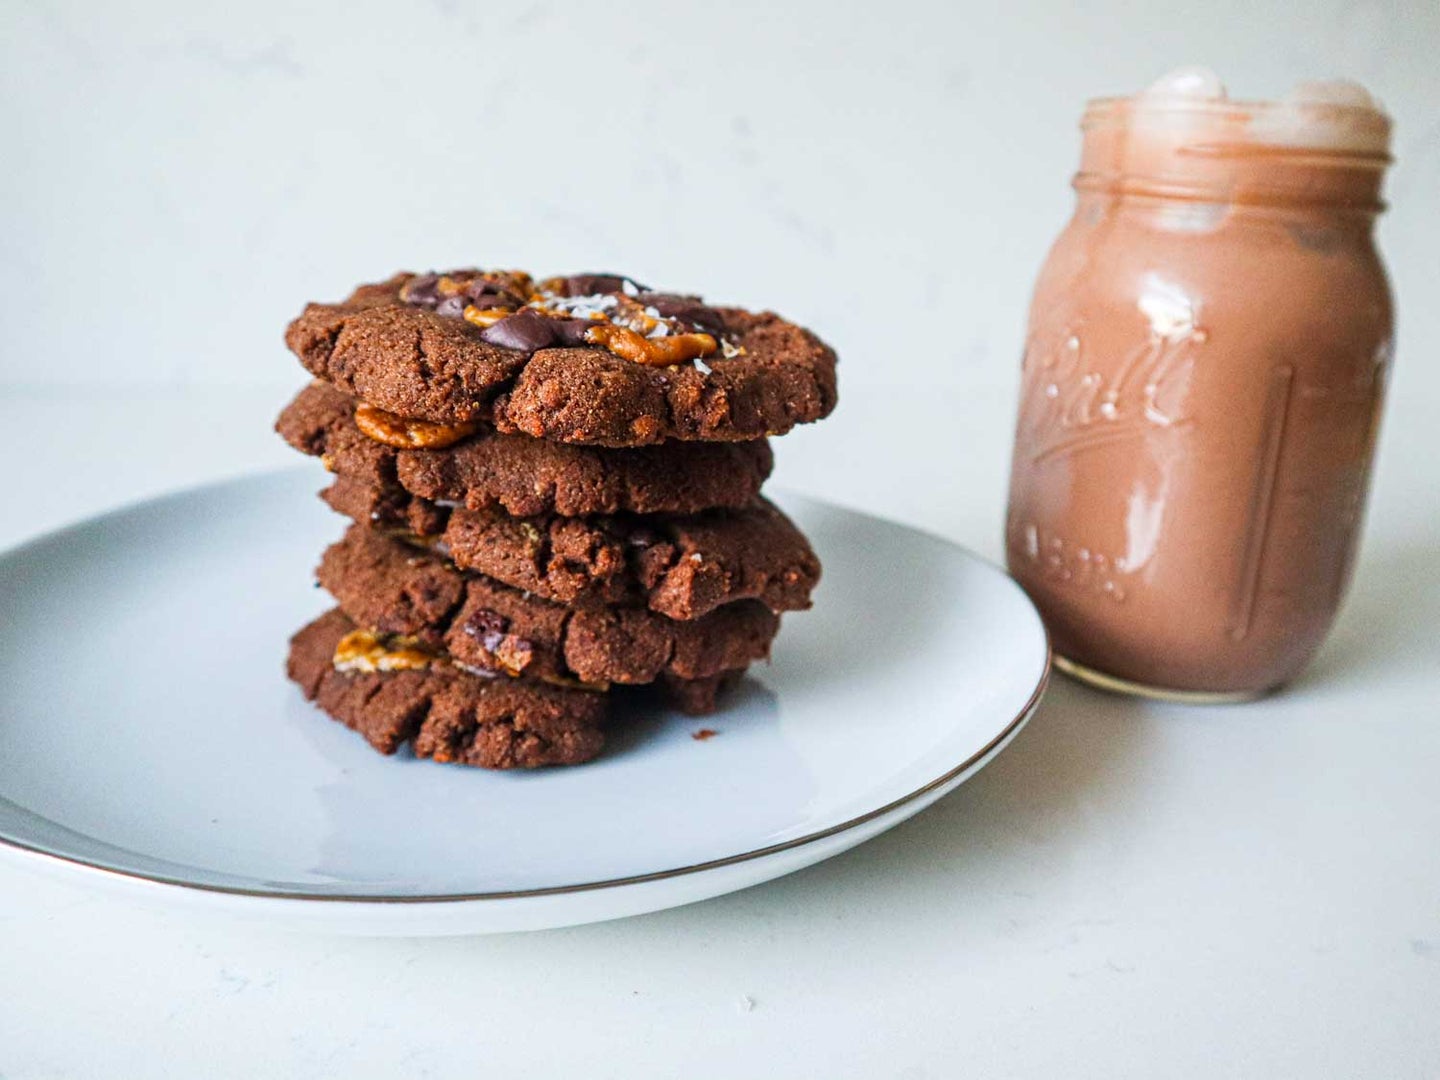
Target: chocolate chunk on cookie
x=529, y=476
x=681, y=566
x=393, y=587
x=621, y=367
x=450, y=716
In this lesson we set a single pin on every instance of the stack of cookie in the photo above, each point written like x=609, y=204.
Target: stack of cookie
x=555, y=489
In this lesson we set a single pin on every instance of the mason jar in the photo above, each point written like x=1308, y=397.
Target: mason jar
x=1203, y=376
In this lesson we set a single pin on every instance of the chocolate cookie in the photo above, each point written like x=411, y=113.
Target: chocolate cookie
x=395, y=588
x=388, y=507
x=451, y=716
x=683, y=567
x=697, y=697
x=529, y=476
x=591, y=359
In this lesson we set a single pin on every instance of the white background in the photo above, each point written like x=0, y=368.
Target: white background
x=1129, y=890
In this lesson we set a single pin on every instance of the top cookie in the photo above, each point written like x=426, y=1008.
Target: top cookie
x=593, y=358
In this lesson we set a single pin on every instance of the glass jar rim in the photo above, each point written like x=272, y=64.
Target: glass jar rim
x=1347, y=134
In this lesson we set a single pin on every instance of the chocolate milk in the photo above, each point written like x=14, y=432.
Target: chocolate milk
x=1203, y=375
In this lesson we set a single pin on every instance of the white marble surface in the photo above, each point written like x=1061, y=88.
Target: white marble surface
x=1129, y=890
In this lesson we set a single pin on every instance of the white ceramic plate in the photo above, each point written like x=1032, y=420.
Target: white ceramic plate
x=150, y=743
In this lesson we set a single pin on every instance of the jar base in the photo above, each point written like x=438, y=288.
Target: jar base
x=1116, y=685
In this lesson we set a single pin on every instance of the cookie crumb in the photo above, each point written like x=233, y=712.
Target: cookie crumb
x=703, y=734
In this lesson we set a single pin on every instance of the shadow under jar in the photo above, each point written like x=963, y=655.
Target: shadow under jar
x=1203, y=376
